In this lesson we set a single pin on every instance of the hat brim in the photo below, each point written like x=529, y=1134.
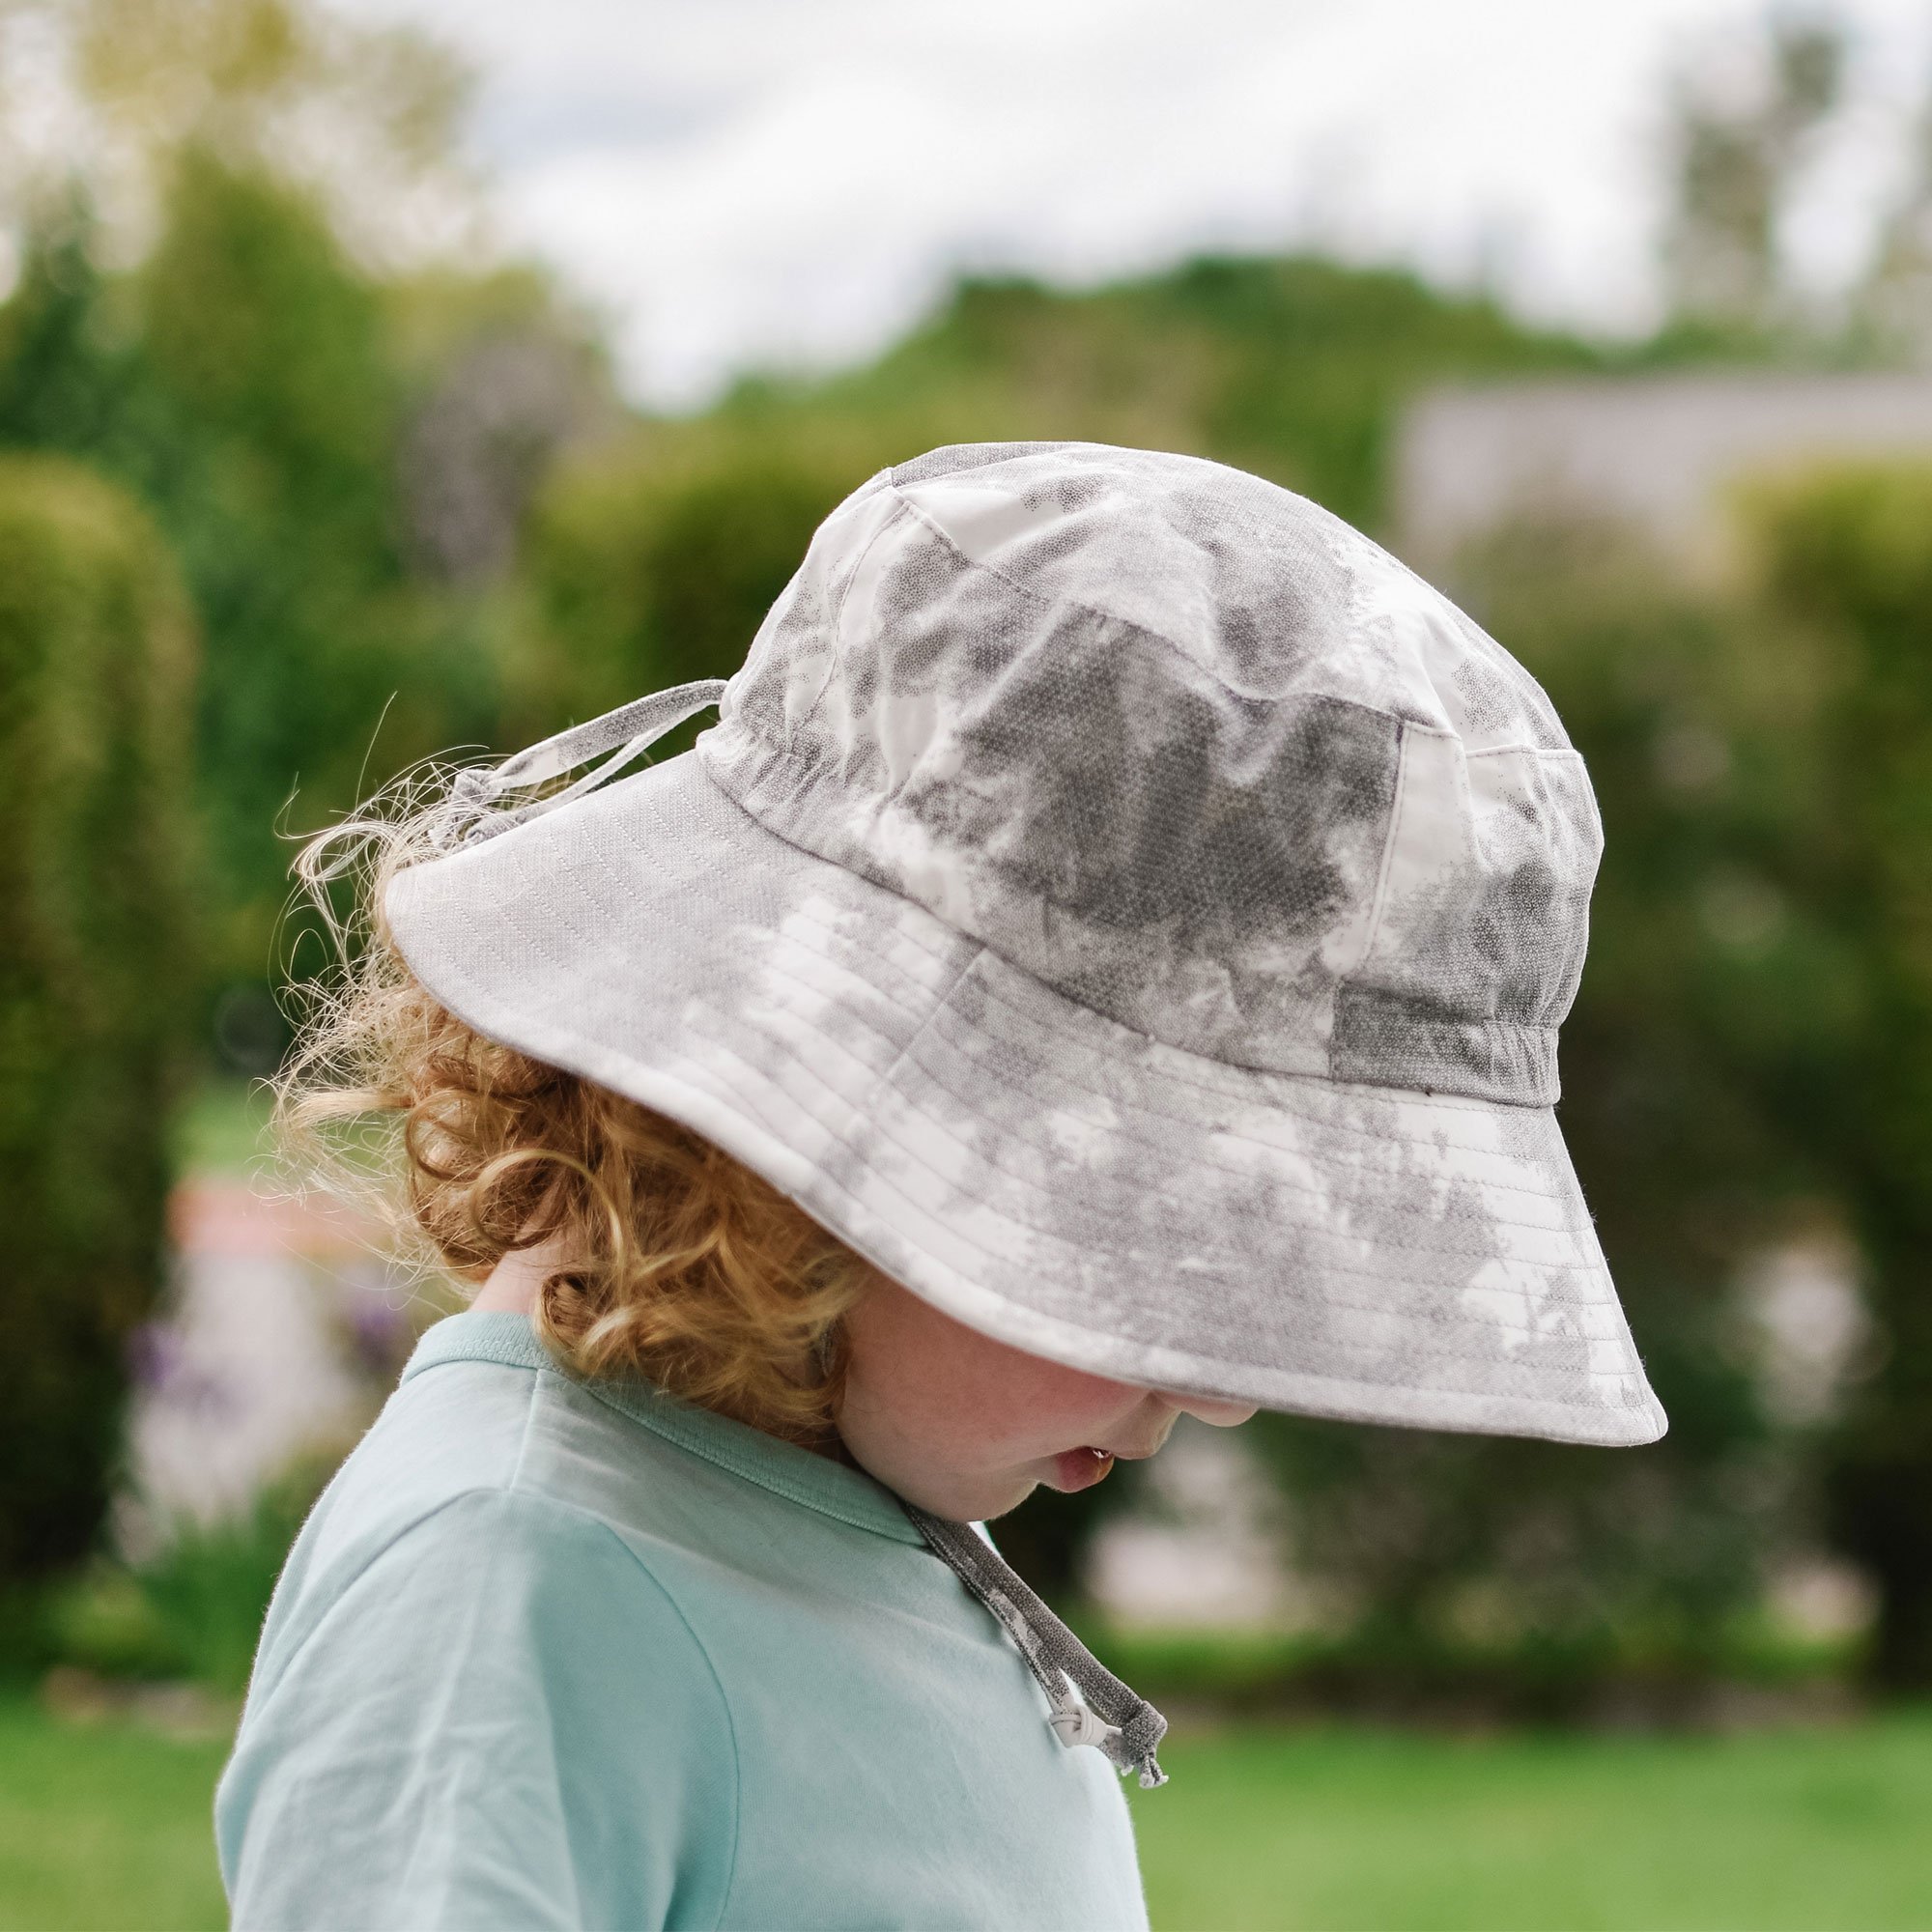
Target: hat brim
x=1035, y=1170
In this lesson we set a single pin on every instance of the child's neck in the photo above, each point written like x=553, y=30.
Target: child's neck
x=516, y=1280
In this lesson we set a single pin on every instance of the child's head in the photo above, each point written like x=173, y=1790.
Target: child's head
x=1120, y=902
x=642, y=1249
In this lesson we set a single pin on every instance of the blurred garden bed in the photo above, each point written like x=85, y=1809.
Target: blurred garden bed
x=1750, y=1677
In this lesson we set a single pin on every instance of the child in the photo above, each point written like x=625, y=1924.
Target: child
x=1104, y=963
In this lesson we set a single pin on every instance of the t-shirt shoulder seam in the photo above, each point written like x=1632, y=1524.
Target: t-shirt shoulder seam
x=514, y=1483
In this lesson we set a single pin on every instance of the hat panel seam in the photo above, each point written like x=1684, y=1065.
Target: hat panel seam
x=1566, y=1233
x=1567, y=753
x=1061, y=1240
x=1401, y=1095
x=908, y=1057
x=928, y=1022
x=814, y=774
x=1515, y=1055
x=833, y=663
x=1235, y=1174
x=1526, y=689
x=1409, y=1095
x=1387, y=864
x=1039, y=601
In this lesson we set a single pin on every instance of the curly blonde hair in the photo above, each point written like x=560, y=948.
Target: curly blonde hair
x=683, y=1267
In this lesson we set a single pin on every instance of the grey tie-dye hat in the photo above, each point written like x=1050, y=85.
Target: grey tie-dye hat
x=1128, y=907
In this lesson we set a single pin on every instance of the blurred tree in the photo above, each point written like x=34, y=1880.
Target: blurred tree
x=1295, y=368
x=503, y=379
x=367, y=118
x=96, y=952
x=71, y=373
x=1745, y=121
x=1852, y=551
x=246, y=381
x=649, y=572
x=268, y=350
x=1892, y=304
x=260, y=376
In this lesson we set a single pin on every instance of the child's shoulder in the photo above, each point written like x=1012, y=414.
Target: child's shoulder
x=445, y=1498
x=455, y=1426
x=441, y=1619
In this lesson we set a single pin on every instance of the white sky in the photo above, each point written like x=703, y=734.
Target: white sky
x=738, y=182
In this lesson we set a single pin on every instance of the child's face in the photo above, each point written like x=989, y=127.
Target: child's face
x=967, y=1427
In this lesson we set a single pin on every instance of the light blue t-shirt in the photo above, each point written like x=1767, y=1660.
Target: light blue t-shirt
x=557, y=1654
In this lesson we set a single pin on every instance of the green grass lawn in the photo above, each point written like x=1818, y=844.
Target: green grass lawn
x=1352, y=1830
x=106, y=1827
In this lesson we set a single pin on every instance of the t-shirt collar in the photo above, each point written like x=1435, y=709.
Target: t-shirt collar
x=816, y=1482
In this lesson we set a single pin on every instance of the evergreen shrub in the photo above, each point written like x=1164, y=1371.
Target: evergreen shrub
x=1849, y=551
x=96, y=981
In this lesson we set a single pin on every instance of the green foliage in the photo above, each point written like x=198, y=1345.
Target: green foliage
x=649, y=573
x=194, y=1608
x=1737, y=168
x=1850, y=553
x=96, y=956
x=1294, y=368
x=243, y=382
x=260, y=338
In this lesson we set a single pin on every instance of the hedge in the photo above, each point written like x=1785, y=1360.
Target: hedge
x=96, y=678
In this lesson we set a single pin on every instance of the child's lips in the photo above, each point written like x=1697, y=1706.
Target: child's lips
x=1078, y=1469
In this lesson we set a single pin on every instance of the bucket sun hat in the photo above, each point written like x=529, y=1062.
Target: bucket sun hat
x=1126, y=905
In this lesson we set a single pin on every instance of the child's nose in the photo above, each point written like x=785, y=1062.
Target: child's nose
x=1205, y=1408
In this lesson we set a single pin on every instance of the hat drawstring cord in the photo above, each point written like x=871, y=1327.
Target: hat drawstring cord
x=1089, y=1704
x=470, y=814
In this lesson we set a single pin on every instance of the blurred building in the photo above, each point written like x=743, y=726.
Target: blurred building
x=1659, y=453
x=283, y=1332
x=1203, y=1546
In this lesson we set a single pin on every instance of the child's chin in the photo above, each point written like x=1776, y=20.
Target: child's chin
x=973, y=1498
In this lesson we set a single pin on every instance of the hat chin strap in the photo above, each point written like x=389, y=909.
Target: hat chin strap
x=472, y=812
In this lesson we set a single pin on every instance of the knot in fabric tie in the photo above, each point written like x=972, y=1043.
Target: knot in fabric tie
x=472, y=812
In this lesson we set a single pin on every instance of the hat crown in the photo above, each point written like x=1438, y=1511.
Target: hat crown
x=1190, y=751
